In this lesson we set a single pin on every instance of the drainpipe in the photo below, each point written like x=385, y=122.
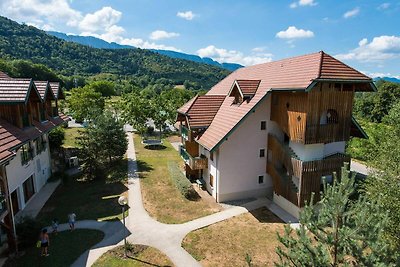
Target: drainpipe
x=216, y=176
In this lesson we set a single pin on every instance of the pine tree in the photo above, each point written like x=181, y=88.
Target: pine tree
x=337, y=231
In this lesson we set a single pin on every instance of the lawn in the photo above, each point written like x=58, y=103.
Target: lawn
x=70, y=137
x=161, y=198
x=138, y=255
x=64, y=249
x=95, y=200
x=227, y=243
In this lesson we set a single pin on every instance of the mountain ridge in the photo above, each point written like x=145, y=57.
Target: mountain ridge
x=23, y=42
x=102, y=44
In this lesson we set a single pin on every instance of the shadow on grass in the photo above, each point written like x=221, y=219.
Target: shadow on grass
x=146, y=262
x=264, y=215
x=144, y=166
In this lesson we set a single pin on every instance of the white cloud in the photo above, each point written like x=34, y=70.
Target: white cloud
x=100, y=20
x=384, y=6
x=381, y=48
x=351, y=13
x=159, y=34
x=303, y=3
x=188, y=15
x=41, y=12
x=233, y=56
x=258, y=49
x=293, y=33
x=380, y=74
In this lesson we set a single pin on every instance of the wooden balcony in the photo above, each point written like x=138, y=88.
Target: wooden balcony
x=185, y=133
x=325, y=133
x=195, y=163
x=283, y=164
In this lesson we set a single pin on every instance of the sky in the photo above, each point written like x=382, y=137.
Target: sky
x=362, y=33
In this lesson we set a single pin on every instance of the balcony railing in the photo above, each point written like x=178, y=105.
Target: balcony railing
x=195, y=163
x=324, y=133
x=185, y=133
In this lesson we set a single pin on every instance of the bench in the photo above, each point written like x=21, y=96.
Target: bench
x=200, y=183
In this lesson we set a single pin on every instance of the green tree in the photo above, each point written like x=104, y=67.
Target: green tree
x=338, y=231
x=109, y=134
x=105, y=88
x=56, y=138
x=103, y=141
x=85, y=103
x=384, y=183
x=135, y=110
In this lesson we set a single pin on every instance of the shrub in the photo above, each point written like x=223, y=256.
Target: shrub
x=28, y=231
x=181, y=182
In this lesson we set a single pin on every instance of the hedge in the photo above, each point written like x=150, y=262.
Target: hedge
x=181, y=182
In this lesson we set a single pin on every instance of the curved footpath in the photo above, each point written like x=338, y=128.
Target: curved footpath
x=142, y=229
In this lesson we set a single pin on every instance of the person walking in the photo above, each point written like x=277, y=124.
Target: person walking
x=44, y=242
x=71, y=220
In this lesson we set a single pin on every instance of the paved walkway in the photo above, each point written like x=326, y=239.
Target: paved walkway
x=37, y=202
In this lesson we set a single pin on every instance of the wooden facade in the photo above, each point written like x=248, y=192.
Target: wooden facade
x=322, y=115
x=283, y=166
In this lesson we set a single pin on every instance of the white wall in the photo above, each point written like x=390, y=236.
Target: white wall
x=17, y=173
x=238, y=160
x=288, y=206
x=308, y=152
x=335, y=147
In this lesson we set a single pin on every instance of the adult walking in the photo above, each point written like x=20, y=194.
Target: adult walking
x=71, y=220
x=44, y=242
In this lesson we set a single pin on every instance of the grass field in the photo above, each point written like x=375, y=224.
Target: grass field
x=138, y=255
x=227, y=243
x=161, y=198
x=64, y=249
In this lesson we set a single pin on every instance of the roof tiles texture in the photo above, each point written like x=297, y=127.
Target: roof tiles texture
x=4, y=75
x=203, y=110
x=287, y=74
x=14, y=90
x=41, y=86
x=248, y=87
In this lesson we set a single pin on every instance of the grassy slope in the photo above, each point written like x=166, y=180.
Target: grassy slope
x=70, y=137
x=65, y=248
x=226, y=243
x=161, y=198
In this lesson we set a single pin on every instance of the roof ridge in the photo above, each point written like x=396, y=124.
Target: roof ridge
x=320, y=63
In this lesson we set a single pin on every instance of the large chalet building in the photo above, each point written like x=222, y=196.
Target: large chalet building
x=273, y=129
x=28, y=111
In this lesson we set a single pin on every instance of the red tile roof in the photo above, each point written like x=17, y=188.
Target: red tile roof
x=187, y=105
x=332, y=68
x=248, y=87
x=203, y=110
x=14, y=90
x=56, y=89
x=287, y=74
x=41, y=86
x=10, y=137
x=4, y=75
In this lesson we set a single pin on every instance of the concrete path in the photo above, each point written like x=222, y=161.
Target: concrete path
x=360, y=168
x=37, y=202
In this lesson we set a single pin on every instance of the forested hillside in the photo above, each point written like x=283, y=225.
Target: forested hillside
x=66, y=58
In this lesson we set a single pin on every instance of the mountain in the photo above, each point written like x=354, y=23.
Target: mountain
x=67, y=58
x=99, y=43
x=388, y=79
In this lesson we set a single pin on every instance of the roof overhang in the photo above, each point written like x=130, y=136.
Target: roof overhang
x=315, y=81
x=28, y=93
x=358, y=126
x=235, y=83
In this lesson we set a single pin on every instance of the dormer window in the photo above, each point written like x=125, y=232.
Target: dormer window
x=243, y=90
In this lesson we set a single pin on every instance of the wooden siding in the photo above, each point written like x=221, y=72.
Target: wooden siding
x=282, y=165
x=299, y=114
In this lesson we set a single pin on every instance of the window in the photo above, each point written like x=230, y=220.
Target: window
x=262, y=153
x=261, y=179
x=211, y=180
x=26, y=153
x=332, y=116
x=263, y=125
x=40, y=144
x=212, y=156
x=29, y=189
